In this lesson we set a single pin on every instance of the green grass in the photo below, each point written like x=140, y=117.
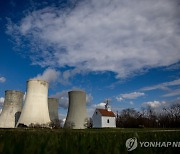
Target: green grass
x=100, y=141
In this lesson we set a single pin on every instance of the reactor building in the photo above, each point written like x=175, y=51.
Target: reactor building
x=53, y=109
x=76, y=116
x=11, y=109
x=35, y=110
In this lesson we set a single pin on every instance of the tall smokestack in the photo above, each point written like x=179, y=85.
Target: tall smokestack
x=11, y=109
x=77, y=110
x=35, y=110
x=53, y=109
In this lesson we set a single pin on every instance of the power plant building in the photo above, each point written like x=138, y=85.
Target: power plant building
x=76, y=117
x=11, y=109
x=35, y=110
x=53, y=109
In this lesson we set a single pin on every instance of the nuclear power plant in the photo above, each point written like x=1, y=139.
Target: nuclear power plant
x=76, y=117
x=39, y=110
x=11, y=109
x=53, y=109
x=35, y=110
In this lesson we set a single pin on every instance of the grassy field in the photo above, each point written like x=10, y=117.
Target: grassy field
x=100, y=141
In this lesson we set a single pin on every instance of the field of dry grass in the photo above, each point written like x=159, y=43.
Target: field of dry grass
x=105, y=141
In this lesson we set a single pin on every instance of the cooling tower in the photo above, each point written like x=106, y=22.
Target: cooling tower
x=35, y=110
x=11, y=109
x=53, y=109
x=77, y=110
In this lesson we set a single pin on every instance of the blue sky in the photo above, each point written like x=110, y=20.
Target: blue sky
x=127, y=51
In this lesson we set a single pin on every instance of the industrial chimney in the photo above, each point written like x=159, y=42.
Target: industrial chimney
x=35, y=110
x=53, y=109
x=77, y=110
x=11, y=109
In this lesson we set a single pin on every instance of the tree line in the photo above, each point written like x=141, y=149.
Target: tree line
x=168, y=117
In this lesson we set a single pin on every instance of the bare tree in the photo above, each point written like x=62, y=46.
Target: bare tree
x=148, y=117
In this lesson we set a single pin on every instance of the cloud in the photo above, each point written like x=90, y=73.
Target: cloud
x=62, y=116
x=100, y=105
x=24, y=97
x=1, y=99
x=2, y=79
x=93, y=107
x=161, y=104
x=163, y=86
x=172, y=93
x=166, y=86
x=119, y=98
x=89, y=99
x=173, y=67
x=63, y=122
x=154, y=104
x=69, y=74
x=90, y=111
x=132, y=95
x=176, y=101
x=122, y=36
x=50, y=75
x=1, y=103
x=64, y=99
x=131, y=102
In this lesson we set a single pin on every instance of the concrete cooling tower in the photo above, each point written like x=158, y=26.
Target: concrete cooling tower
x=35, y=110
x=53, y=109
x=77, y=110
x=11, y=109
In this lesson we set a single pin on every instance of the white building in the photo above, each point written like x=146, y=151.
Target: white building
x=103, y=118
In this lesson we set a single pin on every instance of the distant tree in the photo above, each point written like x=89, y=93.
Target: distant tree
x=20, y=125
x=37, y=125
x=56, y=123
x=33, y=125
x=88, y=123
x=148, y=117
x=173, y=115
x=127, y=118
x=69, y=125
